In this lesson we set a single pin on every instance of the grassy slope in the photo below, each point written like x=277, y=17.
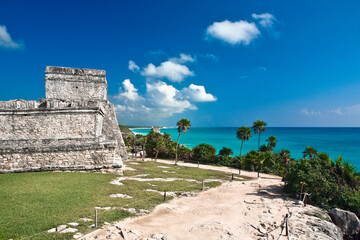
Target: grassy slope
x=124, y=129
x=34, y=202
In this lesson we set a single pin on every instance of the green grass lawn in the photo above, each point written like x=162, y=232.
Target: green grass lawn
x=31, y=203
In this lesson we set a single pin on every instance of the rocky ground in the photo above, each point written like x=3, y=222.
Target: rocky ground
x=253, y=209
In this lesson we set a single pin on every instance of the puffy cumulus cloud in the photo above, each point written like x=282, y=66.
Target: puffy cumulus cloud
x=265, y=19
x=184, y=58
x=173, y=71
x=197, y=93
x=240, y=32
x=167, y=97
x=160, y=101
x=6, y=40
x=133, y=67
x=129, y=93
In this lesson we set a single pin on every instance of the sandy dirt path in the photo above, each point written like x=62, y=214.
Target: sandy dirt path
x=252, y=209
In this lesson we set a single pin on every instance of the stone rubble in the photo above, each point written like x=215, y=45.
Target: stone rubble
x=74, y=224
x=86, y=219
x=69, y=230
x=120, y=195
x=104, y=208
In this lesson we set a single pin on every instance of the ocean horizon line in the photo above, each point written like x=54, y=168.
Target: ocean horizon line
x=230, y=127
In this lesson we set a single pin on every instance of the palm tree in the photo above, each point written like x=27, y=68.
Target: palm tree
x=259, y=162
x=259, y=127
x=183, y=125
x=243, y=134
x=311, y=152
x=265, y=148
x=284, y=153
x=272, y=141
x=159, y=146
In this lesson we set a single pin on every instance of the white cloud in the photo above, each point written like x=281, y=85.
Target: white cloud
x=266, y=19
x=307, y=112
x=240, y=32
x=349, y=110
x=160, y=101
x=197, y=93
x=184, y=58
x=133, y=67
x=6, y=41
x=166, y=96
x=130, y=93
x=173, y=71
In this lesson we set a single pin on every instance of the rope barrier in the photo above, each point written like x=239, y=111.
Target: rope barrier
x=286, y=219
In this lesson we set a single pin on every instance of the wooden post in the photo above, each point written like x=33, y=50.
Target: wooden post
x=96, y=218
x=203, y=185
x=239, y=171
x=232, y=177
x=305, y=198
x=302, y=186
x=164, y=195
x=286, y=225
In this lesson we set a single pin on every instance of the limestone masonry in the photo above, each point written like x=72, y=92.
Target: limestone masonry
x=73, y=128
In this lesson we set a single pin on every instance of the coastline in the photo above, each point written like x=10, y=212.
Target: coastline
x=334, y=141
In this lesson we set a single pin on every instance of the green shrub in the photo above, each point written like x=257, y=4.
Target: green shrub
x=248, y=162
x=204, y=153
x=226, y=152
x=225, y=161
x=331, y=184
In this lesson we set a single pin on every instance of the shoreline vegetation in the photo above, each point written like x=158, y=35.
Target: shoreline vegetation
x=331, y=183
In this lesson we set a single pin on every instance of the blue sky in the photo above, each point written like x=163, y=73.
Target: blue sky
x=218, y=63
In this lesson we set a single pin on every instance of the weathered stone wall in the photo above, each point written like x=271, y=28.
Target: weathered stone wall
x=74, y=128
x=111, y=128
x=66, y=159
x=50, y=123
x=75, y=84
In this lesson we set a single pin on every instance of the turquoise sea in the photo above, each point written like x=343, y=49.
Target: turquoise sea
x=334, y=141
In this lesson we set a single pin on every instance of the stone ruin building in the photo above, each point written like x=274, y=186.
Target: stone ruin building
x=73, y=128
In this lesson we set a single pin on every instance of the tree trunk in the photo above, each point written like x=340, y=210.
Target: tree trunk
x=259, y=141
x=242, y=142
x=157, y=152
x=176, y=152
x=258, y=173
